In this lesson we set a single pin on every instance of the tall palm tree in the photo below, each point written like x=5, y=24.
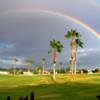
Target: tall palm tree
x=78, y=43
x=75, y=37
x=43, y=63
x=71, y=35
x=57, y=47
x=30, y=63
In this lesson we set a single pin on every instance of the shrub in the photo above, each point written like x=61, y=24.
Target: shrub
x=83, y=71
x=61, y=70
x=96, y=70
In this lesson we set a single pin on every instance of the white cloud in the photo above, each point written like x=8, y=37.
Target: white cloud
x=4, y=47
x=10, y=60
x=87, y=52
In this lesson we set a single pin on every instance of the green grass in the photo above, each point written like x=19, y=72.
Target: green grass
x=80, y=87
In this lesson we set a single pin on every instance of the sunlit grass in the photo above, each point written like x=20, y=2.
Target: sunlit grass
x=66, y=87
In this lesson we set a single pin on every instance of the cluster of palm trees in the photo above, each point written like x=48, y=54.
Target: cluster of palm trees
x=75, y=43
x=30, y=63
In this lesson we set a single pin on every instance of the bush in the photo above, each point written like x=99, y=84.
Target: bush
x=62, y=70
x=96, y=70
x=83, y=71
x=35, y=72
x=20, y=72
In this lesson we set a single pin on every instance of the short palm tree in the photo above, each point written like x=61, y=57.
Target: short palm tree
x=15, y=60
x=57, y=47
x=43, y=63
x=61, y=64
x=39, y=69
x=62, y=69
x=71, y=35
x=30, y=63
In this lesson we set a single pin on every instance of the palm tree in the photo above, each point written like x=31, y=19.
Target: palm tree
x=43, y=63
x=39, y=70
x=71, y=35
x=75, y=42
x=62, y=69
x=30, y=63
x=78, y=43
x=61, y=64
x=15, y=60
x=57, y=47
x=50, y=55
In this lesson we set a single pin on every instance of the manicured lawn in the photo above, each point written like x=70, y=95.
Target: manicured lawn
x=80, y=87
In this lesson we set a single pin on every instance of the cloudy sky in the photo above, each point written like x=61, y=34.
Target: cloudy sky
x=27, y=26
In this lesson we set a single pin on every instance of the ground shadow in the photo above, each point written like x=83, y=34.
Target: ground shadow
x=55, y=91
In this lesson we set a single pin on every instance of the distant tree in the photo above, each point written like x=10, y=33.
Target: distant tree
x=39, y=69
x=96, y=70
x=50, y=53
x=84, y=70
x=15, y=60
x=30, y=63
x=57, y=47
x=61, y=70
x=61, y=65
x=43, y=63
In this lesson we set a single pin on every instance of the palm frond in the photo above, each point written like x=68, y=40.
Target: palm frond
x=77, y=34
x=78, y=42
x=81, y=44
x=68, y=35
x=59, y=50
x=56, y=44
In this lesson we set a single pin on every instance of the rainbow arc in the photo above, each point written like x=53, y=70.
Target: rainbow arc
x=68, y=17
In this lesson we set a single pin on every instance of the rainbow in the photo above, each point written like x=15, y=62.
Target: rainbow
x=73, y=19
x=78, y=21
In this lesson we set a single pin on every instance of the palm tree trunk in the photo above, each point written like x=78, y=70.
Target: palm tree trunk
x=72, y=55
x=75, y=61
x=72, y=61
x=29, y=68
x=43, y=67
x=54, y=72
x=54, y=65
x=75, y=67
x=14, y=69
